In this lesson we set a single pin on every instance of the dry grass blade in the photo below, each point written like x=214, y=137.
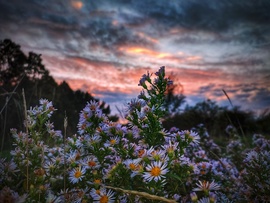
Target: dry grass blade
x=235, y=114
x=227, y=97
x=5, y=122
x=142, y=194
x=65, y=136
x=26, y=129
x=13, y=92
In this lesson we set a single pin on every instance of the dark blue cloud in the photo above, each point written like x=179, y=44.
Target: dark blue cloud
x=95, y=18
x=203, y=14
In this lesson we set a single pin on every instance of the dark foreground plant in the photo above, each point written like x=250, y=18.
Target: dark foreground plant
x=137, y=162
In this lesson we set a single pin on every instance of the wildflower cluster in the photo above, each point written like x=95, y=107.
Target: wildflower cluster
x=138, y=162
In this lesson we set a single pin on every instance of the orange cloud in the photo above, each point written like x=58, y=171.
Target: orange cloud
x=77, y=4
x=144, y=51
x=150, y=56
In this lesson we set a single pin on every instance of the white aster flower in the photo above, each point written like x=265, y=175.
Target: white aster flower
x=204, y=200
x=133, y=165
x=90, y=162
x=113, y=141
x=155, y=171
x=193, y=137
x=77, y=174
x=102, y=196
x=206, y=186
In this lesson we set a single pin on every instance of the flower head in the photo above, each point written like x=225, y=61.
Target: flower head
x=8, y=195
x=91, y=162
x=194, y=197
x=102, y=196
x=77, y=174
x=204, y=200
x=192, y=137
x=113, y=141
x=145, y=77
x=133, y=165
x=206, y=186
x=157, y=155
x=203, y=168
x=155, y=171
x=171, y=148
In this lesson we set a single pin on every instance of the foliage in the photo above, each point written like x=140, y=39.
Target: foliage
x=138, y=162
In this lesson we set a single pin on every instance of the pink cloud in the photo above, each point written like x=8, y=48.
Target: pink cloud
x=103, y=79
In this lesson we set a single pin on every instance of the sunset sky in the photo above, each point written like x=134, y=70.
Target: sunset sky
x=105, y=46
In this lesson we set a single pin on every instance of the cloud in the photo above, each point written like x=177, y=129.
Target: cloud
x=77, y=4
x=105, y=46
x=250, y=97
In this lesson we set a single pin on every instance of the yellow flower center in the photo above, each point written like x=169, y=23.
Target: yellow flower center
x=132, y=166
x=202, y=172
x=91, y=163
x=113, y=142
x=155, y=171
x=104, y=199
x=77, y=157
x=92, y=107
x=78, y=174
x=170, y=149
x=97, y=181
x=141, y=152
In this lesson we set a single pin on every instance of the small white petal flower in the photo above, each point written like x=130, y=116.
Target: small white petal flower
x=206, y=186
x=204, y=200
x=77, y=174
x=133, y=165
x=102, y=196
x=155, y=171
x=90, y=162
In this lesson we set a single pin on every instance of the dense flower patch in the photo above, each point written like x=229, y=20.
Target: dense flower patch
x=138, y=162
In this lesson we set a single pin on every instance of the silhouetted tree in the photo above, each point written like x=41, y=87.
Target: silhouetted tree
x=202, y=113
x=20, y=72
x=14, y=64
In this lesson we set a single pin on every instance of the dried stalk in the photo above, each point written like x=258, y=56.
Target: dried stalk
x=142, y=194
x=5, y=123
x=13, y=92
x=26, y=129
x=65, y=135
